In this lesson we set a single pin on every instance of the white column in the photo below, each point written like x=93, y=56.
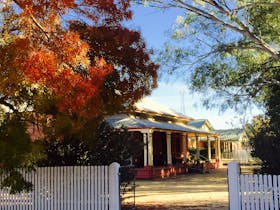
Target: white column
x=145, y=148
x=168, y=145
x=150, y=148
x=209, y=148
x=184, y=135
x=216, y=149
x=225, y=147
x=197, y=147
x=219, y=152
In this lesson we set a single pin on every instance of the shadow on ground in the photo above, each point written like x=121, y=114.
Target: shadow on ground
x=192, y=191
x=185, y=192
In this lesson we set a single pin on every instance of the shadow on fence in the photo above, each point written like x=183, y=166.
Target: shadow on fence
x=127, y=186
x=252, y=191
x=67, y=187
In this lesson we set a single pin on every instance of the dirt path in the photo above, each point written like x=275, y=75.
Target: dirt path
x=191, y=191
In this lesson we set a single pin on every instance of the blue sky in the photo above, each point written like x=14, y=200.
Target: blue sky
x=154, y=25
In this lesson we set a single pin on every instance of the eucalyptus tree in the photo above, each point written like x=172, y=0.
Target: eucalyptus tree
x=229, y=46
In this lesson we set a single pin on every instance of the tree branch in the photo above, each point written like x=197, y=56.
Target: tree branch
x=217, y=5
x=47, y=34
x=35, y=21
x=240, y=27
x=233, y=46
x=207, y=15
x=244, y=30
x=3, y=101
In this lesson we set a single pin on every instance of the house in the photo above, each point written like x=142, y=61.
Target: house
x=235, y=145
x=205, y=125
x=166, y=134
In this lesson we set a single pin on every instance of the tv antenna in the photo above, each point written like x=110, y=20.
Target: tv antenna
x=182, y=94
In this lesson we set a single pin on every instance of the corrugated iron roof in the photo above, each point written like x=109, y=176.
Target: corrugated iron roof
x=197, y=123
x=135, y=123
x=200, y=122
x=148, y=105
x=230, y=134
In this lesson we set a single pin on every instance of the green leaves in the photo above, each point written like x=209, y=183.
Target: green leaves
x=265, y=21
x=17, y=151
x=14, y=142
x=232, y=47
x=265, y=138
x=108, y=145
x=16, y=182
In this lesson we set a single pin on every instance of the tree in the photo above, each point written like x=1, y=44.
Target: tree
x=51, y=79
x=230, y=47
x=46, y=66
x=134, y=74
x=41, y=60
x=110, y=145
x=266, y=136
x=16, y=151
x=38, y=47
x=120, y=146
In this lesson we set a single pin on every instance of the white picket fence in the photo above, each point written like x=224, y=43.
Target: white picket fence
x=252, y=191
x=67, y=188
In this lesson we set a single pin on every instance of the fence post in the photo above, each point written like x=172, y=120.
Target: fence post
x=233, y=185
x=114, y=186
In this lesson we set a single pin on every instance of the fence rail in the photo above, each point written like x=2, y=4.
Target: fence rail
x=67, y=188
x=252, y=192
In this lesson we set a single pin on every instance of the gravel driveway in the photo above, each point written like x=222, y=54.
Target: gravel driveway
x=192, y=191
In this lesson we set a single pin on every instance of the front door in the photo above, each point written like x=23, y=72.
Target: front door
x=159, y=148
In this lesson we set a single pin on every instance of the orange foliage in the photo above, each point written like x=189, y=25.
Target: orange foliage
x=55, y=58
x=134, y=74
x=40, y=66
x=73, y=50
x=79, y=94
x=75, y=92
x=95, y=10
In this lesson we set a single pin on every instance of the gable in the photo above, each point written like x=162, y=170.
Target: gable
x=232, y=135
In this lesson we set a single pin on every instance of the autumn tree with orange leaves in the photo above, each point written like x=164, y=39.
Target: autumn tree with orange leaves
x=41, y=53
x=133, y=75
x=53, y=73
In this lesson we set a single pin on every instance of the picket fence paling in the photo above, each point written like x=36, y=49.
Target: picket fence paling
x=67, y=188
x=252, y=192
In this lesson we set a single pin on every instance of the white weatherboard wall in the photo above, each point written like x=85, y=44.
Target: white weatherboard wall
x=252, y=191
x=68, y=188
